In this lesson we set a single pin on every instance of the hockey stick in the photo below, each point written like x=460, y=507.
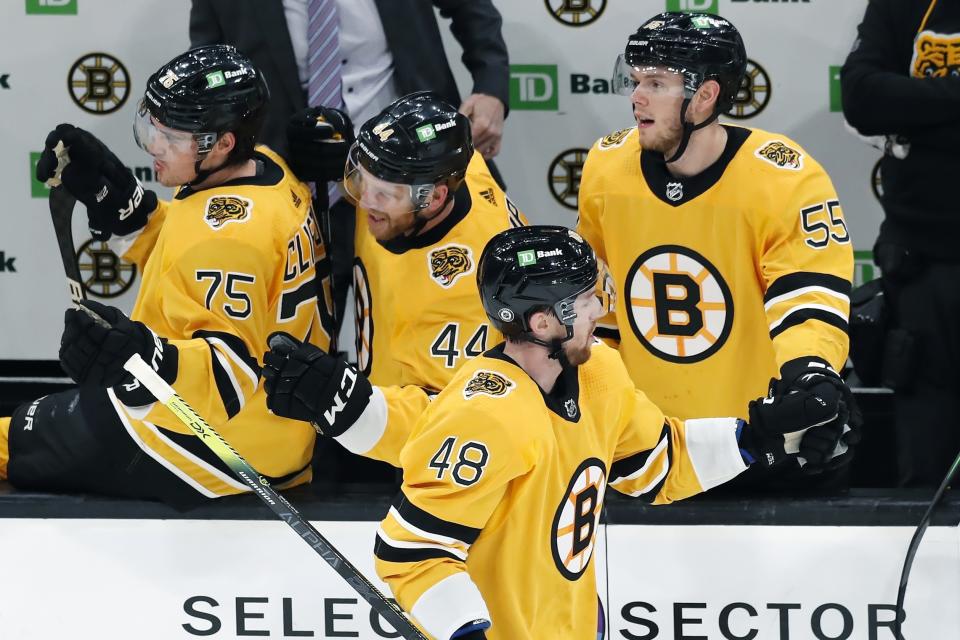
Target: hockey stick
x=61, y=210
x=915, y=544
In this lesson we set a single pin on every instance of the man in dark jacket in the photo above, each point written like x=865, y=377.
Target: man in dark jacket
x=902, y=81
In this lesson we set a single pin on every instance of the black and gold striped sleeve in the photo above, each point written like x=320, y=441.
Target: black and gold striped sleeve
x=806, y=263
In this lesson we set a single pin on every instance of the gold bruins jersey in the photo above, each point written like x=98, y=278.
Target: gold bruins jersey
x=723, y=277
x=503, y=487
x=222, y=268
x=418, y=311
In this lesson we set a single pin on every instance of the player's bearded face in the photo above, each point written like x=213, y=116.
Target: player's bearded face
x=656, y=100
x=389, y=206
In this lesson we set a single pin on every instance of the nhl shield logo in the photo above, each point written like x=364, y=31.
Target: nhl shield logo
x=571, y=407
x=674, y=191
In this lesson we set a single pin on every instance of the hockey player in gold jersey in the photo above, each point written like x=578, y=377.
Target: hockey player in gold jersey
x=426, y=204
x=235, y=255
x=728, y=245
x=505, y=472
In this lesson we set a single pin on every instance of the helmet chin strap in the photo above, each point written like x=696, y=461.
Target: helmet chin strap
x=203, y=174
x=554, y=346
x=688, y=129
x=420, y=220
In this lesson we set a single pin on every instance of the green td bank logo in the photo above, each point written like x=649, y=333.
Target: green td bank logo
x=37, y=188
x=836, y=104
x=704, y=6
x=62, y=7
x=533, y=87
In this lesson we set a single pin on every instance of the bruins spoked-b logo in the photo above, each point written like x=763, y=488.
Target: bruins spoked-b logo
x=99, y=83
x=224, y=209
x=778, y=153
x=105, y=274
x=876, y=180
x=754, y=93
x=449, y=263
x=575, y=522
x=576, y=13
x=488, y=383
x=564, y=176
x=678, y=304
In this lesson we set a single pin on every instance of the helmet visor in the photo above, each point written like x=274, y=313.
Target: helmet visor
x=364, y=189
x=157, y=140
x=653, y=80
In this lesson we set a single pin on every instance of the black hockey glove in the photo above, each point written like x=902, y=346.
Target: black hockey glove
x=806, y=413
x=116, y=202
x=305, y=383
x=94, y=354
x=319, y=140
x=817, y=375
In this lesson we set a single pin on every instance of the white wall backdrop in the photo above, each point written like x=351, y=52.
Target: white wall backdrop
x=561, y=52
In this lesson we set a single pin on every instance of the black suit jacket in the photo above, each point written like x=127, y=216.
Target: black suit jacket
x=259, y=29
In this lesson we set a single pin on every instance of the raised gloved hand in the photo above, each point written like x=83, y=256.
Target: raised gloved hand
x=806, y=414
x=117, y=204
x=319, y=139
x=94, y=348
x=305, y=383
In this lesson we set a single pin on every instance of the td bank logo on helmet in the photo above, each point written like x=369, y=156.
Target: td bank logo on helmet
x=530, y=256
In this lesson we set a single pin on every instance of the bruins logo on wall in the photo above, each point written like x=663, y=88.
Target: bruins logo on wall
x=575, y=522
x=678, y=305
x=488, y=383
x=576, y=13
x=224, y=209
x=564, y=176
x=449, y=263
x=99, y=83
x=935, y=55
x=876, y=181
x=754, y=93
x=105, y=274
x=779, y=154
x=615, y=139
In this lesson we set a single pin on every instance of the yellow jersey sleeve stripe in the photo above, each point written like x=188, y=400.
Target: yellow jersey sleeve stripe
x=392, y=546
x=422, y=521
x=802, y=313
x=794, y=283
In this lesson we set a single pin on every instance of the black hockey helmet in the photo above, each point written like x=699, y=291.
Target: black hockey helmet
x=207, y=91
x=701, y=46
x=528, y=269
x=418, y=139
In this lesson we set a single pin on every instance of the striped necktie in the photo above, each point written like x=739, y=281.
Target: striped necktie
x=323, y=54
x=323, y=62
